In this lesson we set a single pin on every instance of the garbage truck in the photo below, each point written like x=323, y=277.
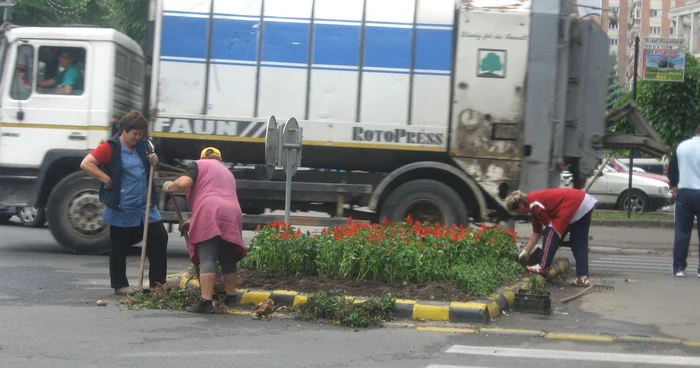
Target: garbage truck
x=435, y=109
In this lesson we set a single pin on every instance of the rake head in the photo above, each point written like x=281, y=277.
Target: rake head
x=597, y=287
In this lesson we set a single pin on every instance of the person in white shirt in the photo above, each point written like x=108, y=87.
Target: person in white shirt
x=684, y=175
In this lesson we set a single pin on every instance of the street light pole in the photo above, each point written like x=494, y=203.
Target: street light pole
x=634, y=98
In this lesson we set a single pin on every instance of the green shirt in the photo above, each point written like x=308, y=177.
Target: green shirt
x=70, y=77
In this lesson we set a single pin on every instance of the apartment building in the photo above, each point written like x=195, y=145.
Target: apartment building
x=683, y=17
x=643, y=18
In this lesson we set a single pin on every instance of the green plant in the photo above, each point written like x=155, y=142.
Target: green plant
x=170, y=297
x=537, y=285
x=346, y=312
x=479, y=260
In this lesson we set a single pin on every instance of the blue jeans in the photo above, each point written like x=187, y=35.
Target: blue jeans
x=687, y=209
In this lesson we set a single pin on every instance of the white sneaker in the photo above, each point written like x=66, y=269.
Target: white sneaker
x=681, y=274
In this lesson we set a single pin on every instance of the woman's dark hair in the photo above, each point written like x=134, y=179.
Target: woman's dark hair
x=133, y=121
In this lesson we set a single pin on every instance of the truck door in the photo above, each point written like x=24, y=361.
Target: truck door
x=48, y=109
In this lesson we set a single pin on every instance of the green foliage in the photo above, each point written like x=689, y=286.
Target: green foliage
x=536, y=285
x=55, y=12
x=479, y=261
x=127, y=16
x=616, y=89
x=670, y=107
x=170, y=298
x=130, y=17
x=346, y=312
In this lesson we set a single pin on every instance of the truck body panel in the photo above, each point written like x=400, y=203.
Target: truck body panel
x=384, y=85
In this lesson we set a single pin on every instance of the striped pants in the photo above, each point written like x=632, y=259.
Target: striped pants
x=579, y=244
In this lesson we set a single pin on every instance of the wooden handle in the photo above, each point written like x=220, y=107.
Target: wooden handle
x=145, y=226
x=180, y=219
x=566, y=300
x=597, y=173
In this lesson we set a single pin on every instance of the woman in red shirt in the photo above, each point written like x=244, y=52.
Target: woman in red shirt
x=559, y=211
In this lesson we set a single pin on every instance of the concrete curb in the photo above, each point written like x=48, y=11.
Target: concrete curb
x=455, y=311
x=662, y=224
x=605, y=338
x=606, y=249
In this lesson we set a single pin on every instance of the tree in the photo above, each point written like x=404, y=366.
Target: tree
x=48, y=12
x=670, y=107
x=616, y=89
x=129, y=17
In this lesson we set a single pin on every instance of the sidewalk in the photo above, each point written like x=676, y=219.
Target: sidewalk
x=642, y=304
x=619, y=240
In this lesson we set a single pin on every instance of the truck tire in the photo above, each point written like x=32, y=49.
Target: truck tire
x=75, y=213
x=425, y=200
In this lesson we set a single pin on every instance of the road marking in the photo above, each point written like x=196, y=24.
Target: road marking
x=451, y=366
x=153, y=354
x=575, y=355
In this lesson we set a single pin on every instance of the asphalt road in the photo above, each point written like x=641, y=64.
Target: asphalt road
x=49, y=319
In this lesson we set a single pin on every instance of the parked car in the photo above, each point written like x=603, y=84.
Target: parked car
x=621, y=167
x=649, y=165
x=28, y=216
x=610, y=189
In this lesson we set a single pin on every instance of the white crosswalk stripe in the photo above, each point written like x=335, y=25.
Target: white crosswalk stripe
x=567, y=355
x=644, y=264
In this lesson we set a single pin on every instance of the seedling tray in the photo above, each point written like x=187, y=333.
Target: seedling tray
x=526, y=302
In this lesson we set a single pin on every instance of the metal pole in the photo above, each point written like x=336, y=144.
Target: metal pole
x=288, y=186
x=7, y=14
x=634, y=98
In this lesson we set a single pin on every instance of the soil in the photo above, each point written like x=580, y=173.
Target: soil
x=251, y=279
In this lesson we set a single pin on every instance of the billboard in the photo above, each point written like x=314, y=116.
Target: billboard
x=663, y=65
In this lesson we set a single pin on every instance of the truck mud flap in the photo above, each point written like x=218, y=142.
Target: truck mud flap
x=644, y=138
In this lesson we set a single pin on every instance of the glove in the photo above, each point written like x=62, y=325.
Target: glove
x=166, y=185
x=524, y=257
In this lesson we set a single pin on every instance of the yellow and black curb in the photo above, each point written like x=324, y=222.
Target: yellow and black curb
x=459, y=312
x=602, y=338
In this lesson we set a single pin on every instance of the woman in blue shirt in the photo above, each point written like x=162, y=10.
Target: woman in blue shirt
x=122, y=165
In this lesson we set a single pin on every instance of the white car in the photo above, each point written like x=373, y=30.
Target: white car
x=610, y=189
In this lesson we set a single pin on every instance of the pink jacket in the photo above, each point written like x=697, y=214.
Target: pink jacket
x=215, y=208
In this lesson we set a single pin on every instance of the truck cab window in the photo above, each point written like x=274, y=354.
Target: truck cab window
x=61, y=70
x=21, y=87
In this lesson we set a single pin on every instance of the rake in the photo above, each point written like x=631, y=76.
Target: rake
x=597, y=287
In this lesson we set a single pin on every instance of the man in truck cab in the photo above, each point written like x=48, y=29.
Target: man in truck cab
x=69, y=80
x=122, y=165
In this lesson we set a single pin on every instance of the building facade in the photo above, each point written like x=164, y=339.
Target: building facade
x=684, y=18
x=643, y=18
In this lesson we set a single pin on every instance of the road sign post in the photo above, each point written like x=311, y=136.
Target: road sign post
x=290, y=159
x=283, y=148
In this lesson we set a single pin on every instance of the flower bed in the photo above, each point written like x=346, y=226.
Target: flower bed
x=478, y=260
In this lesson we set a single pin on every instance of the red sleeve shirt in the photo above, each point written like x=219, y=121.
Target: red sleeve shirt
x=556, y=207
x=103, y=153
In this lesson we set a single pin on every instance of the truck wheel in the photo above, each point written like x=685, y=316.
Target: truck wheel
x=425, y=200
x=5, y=219
x=31, y=216
x=75, y=215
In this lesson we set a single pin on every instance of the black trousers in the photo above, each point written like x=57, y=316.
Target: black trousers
x=579, y=243
x=687, y=208
x=122, y=238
